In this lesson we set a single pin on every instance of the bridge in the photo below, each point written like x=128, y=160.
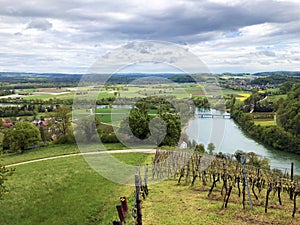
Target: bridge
x=212, y=115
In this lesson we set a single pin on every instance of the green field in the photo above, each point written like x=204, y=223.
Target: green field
x=64, y=191
x=48, y=96
x=264, y=122
x=107, y=115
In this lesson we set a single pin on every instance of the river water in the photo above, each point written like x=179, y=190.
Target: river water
x=228, y=137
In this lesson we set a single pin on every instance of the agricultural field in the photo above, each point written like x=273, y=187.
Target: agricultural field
x=128, y=91
x=47, y=93
x=242, y=96
x=263, y=118
x=264, y=123
x=107, y=115
x=64, y=191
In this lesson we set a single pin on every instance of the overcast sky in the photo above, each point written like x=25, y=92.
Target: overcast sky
x=227, y=35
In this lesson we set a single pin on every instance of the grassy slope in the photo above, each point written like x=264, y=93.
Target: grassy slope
x=48, y=151
x=169, y=203
x=63, y=191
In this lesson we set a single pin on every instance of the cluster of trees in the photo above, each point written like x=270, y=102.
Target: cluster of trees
x=25, y=110
x=21, y=137
x=251, y=158
x=51, y=101
x=200, y=148
x=182, y=79
x=275, y=79
x=6, y=92
x=201, y=102
x=274, y=136
x=288, y=113
x=285, y=135
x=166, y=133
x=12, y=111
x=31, y=80
x=25, y=135
x=258, y=102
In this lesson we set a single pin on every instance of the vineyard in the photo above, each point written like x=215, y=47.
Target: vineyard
x=252, y=185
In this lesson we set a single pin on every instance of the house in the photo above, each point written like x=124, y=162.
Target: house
x=182, y=145
x=6, y=124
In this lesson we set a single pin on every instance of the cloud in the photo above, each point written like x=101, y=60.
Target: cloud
x=221, y=29
x=39, y=24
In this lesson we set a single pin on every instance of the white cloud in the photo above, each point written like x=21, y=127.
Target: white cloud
x=67, y=36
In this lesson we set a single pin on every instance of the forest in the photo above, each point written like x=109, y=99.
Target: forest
x=285, y=135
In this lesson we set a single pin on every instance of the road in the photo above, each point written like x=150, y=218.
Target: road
x=149, y=151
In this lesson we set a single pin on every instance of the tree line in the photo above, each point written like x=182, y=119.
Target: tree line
x=285, y=135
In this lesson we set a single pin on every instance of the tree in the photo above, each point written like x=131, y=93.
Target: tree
x=252, y=158
x=85, y=129
x=200, y=148
x=158, y=130
x=211, y=147
x=21, y=137
x=61, y=120
x=43, y=134
x=138, y=123
x=173, y=124
x=288, y=113
x=286, y=87
x=165, y=124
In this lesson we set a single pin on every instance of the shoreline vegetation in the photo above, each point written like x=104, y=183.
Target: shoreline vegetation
x=280, y=136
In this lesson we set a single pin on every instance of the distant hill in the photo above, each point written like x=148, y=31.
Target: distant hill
x=275, y=79
x=278, y=73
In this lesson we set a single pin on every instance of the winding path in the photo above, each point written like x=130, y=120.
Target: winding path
x=149, y=151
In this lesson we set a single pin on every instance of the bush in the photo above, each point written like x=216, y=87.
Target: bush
x=109, y=138
x=65, y=139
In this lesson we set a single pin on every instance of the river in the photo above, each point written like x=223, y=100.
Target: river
x=228, y=137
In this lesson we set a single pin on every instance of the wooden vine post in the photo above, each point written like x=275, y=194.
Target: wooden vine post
x=246, y=181
x=292, y=180
x=138, y=200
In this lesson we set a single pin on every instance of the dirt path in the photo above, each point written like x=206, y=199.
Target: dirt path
x=149, y=151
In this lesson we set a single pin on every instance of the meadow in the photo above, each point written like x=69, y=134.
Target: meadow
x=63, y=191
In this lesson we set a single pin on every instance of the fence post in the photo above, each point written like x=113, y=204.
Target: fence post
x=138, y=200
x=121, y=213
x=124, y=204
x=246, y=182
x=292, y=180
x=146, y=180
x=292, y=171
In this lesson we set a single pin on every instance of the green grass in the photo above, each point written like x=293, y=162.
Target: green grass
x=172, y=204
x=48, y=96
x=49, y=151
x=277, y=97
x=43, y=152
x=64, y=191
x=118, y=114
x=264, y=122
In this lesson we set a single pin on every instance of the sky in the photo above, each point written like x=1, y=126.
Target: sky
x=227, y=35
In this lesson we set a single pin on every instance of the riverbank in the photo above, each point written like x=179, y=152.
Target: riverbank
x=228, y=136
x=273, y=136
